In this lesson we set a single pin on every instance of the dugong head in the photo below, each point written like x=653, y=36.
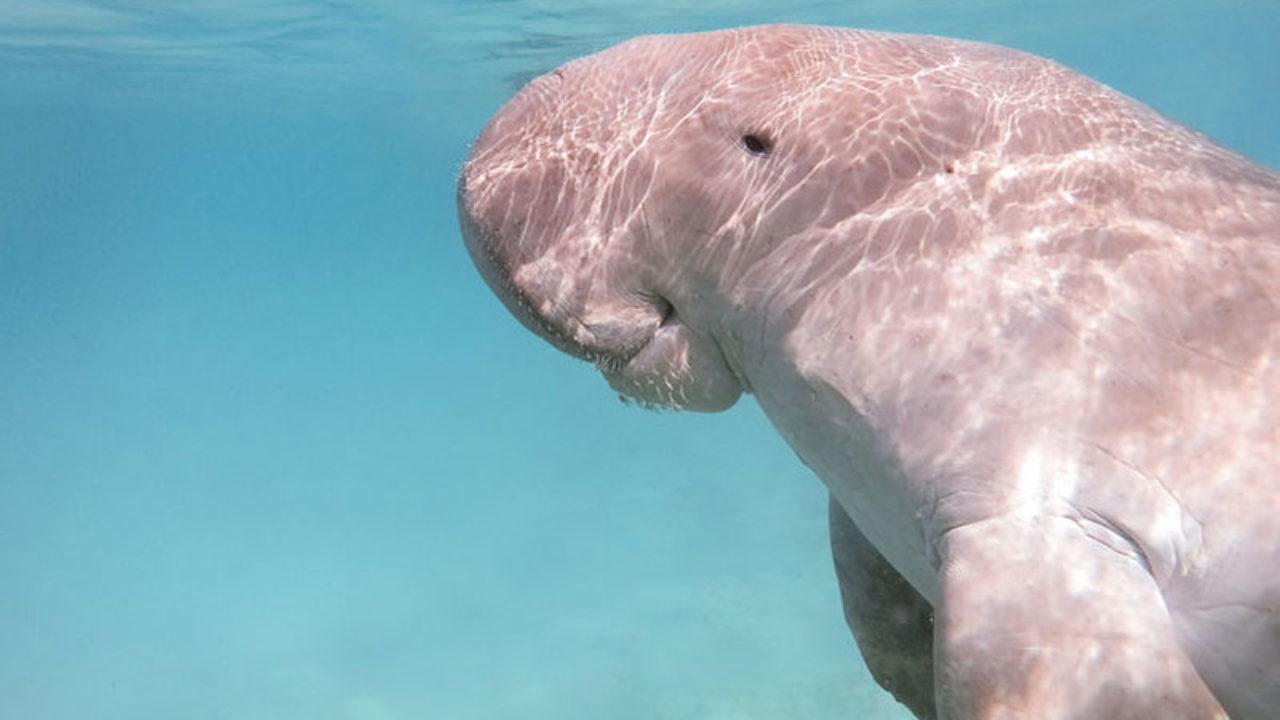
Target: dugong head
x=627, y=205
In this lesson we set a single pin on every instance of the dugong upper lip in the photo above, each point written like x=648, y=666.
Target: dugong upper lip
x=608, y=346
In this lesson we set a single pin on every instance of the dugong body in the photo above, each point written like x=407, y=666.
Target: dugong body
x=1023, y=328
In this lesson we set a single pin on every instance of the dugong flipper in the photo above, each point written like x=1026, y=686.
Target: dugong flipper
x=1024, y=329
x=1040, y=620
x=892, y=623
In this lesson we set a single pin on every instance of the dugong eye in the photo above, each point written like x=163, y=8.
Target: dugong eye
x=757, y=144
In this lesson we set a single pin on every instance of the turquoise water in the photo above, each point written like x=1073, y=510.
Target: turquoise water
x=270, y=449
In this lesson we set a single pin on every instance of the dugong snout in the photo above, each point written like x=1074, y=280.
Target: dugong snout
x=517, y=207
x=544, y=296
x=554, y=205
x=639, y=343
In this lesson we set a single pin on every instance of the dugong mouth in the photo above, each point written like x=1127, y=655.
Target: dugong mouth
x=608, y=343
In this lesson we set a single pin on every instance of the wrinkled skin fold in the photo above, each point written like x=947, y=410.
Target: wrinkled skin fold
x=1024, y=329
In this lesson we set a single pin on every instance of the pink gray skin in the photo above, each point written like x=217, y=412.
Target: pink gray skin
x=1024, y=329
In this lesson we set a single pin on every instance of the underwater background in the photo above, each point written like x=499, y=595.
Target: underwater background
x=270, y=449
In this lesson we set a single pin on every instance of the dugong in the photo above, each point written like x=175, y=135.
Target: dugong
x=1023, y=328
